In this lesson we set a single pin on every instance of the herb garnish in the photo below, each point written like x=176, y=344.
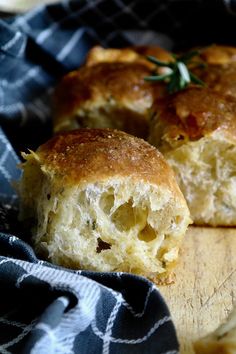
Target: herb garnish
x=178, y=76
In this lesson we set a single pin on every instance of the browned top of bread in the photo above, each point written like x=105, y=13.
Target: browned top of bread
x=122, y=82
x=90, y=155
x=155, y=51
x=220, y=72
x=218, y=54
x=195, y=112
x=219, y=78
x=130, y=54
x=100, y=55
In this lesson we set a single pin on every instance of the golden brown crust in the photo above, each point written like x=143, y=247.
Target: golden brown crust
x=221, y=79
x=104, y=83
x=155, y=51
x=88, y=155
x=116, y=80
x=130, y=54
x=219, y=74
x=194, y=113
x=110, y=91
x=218, y=54
x=100, y=55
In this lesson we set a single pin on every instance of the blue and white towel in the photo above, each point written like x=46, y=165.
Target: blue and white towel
x=44, y=308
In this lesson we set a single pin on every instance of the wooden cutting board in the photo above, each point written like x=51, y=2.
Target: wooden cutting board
x=205, y=287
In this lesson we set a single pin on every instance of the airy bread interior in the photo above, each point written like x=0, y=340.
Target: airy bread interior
x=206, y=173
x=114, y=225
x=109, y=113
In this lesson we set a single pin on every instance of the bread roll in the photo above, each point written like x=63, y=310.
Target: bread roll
x=195, y=129
x=103, y=200
x=106, y=95
x=110, y=91
x=222, y=341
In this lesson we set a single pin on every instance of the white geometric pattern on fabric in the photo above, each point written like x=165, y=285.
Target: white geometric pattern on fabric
x=26, y=330
x=70, y=44
x=4, y=351
x=5, y=173
x=20, y=279
x=48, y=343
x=33, y=73
x=12, y=323
x=3, y=261
x=140, y=314
x=12, y=239
x=8, y=149
x=60, y=340
x=11, y=42
x=128, y=306
x=158, y=324
x=36, y=106
x=22, y=20
x=43, y=36
x=107, y=335
x=128, y=9
x=78, y=318
x=8, y=162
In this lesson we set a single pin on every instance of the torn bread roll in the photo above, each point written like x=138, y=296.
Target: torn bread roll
x=195, y=129
x=110, y=91
x=103, y=200
x=222, y=341
x=106, y=95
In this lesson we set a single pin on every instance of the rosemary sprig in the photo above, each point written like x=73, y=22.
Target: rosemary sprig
x=178, y=76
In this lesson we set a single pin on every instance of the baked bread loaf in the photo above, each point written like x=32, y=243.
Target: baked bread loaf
x=103, y=200
x=106, y=95
x=195, y=129
x=222, y=341
x=110, y=91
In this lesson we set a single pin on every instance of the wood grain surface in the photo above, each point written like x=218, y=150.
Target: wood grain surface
x=205, y=287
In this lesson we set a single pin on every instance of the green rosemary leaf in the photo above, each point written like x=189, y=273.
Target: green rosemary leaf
x=171, y=87
x=179, y=76
x=182, y=83
x=174, y=56
x=157, y=77
x=158, y=62
x=188, y=56
x=173, y=84
x=196, y=80
x=184, y=73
